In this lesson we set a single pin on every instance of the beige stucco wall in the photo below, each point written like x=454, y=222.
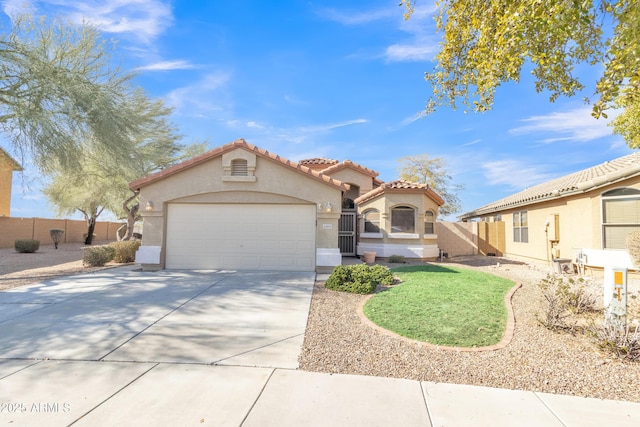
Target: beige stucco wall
x=579, y=220
x=351, y=176
x=6, y=175
x=384, y=204
x=274, y=183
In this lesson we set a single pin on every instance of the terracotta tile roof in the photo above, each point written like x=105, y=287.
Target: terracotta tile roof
x=240, y=143
x=318, y=161
x=349, y=164
x=401, y=186
x=6, y=159
x=578, y=182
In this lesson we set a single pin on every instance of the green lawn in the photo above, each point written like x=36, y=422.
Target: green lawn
x=443, y=305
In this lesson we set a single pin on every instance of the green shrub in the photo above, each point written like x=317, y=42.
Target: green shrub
x=397, y=259
x=359, y=279
x=27, y=246
x=97, y=256
x=125, y=251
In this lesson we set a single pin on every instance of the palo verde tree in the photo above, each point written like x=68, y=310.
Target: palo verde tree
x=432, y=171
x=60, y=95
x=100, y=182
x=487, y=43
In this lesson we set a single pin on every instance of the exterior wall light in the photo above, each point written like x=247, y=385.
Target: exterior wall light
x=149, y=206
x=328, y=208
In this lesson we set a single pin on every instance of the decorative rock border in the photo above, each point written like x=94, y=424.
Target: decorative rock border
x=506, y=339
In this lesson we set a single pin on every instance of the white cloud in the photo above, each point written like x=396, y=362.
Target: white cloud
x=167, y=65
x=254, y=125
x=17, y=7
x=357, y=18
x=418, y=51
x=143, y=19
x=574, y=125
x=516, y=174
x=330, y=126
x=198, y=95
x=475, y=141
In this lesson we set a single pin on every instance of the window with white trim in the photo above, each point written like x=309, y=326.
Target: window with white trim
x=429, y=222
x=371, y=221
x=403, y=220
x=620, y=216
x=520, y=227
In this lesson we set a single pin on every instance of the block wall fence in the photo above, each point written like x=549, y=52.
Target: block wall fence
x=12, y=229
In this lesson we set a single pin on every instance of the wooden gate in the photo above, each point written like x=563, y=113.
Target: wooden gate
x=347, y=234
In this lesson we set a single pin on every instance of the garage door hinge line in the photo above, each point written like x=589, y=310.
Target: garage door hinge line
x=161, y=318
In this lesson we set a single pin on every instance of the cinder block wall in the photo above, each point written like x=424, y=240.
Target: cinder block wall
x=12, y=229
x=458, y=238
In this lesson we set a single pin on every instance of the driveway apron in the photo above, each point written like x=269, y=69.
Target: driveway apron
x=219, y=317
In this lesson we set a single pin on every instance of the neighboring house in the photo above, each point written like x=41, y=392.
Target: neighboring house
x=7, y=166
x=584, y=216
x=241, y=207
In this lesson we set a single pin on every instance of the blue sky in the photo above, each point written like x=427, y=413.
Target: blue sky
x=336, y=79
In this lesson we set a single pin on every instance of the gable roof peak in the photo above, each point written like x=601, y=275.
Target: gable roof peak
x=238, y=143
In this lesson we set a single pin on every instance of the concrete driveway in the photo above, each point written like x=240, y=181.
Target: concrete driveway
x=211, y=317
x=123, y=347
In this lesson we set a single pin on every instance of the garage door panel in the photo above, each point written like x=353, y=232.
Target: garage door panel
x=214, y=236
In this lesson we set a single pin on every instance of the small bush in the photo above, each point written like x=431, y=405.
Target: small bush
x=97, y=256
x=397, y=259
x=359, y=279
x=618, y=340
x=125, y=251
x=27, y=246
x=565, y=298
x=56, y=235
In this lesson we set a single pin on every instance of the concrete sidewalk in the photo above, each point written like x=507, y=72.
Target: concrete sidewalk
x=220, y=348
x=61, y=393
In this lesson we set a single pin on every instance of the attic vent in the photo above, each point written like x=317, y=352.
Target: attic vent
x=239, y=167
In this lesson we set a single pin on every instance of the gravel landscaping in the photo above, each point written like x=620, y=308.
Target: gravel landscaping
x=18, y=269
x=338, y=341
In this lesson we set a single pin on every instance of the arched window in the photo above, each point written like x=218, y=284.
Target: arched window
x=403, y=220
x=429, y=222
x=371, y=221
x=239, y=167
x=620, y=216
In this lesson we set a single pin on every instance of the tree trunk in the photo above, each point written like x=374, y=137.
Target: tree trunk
x=132, y=214
x=91, y=226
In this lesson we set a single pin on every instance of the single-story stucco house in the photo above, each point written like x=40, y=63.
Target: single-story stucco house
x=241, y=207
x=8, y=165
x=583, y=217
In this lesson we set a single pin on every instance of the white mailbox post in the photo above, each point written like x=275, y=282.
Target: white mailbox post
x=615, y=296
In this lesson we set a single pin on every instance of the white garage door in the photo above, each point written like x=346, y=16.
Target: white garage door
x=241, y=237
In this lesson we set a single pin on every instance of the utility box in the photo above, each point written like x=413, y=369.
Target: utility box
x=615, y=296
x=553, y=230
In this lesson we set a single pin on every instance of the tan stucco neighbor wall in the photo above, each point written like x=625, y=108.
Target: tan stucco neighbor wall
x=579, y=226
x=273, y=183
x=6, y=176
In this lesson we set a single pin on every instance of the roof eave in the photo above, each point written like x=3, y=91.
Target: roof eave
x=580, y=190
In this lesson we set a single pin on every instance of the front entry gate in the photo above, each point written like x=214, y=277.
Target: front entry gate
x=347, y=234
